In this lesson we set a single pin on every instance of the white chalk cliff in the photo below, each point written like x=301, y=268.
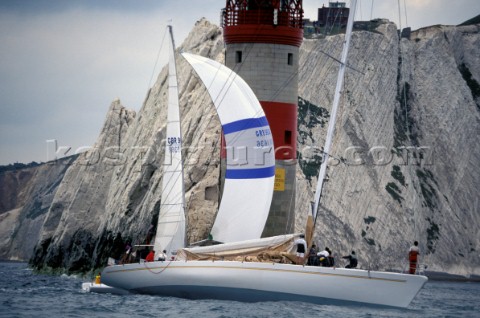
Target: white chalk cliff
x=405, y=157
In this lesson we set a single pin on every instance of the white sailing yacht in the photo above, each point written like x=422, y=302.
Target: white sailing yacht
x=246, y=267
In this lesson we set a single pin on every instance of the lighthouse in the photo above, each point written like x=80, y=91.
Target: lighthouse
x=262, y=39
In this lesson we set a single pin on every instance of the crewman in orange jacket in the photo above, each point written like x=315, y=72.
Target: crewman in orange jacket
x=150, y=256
x=413, y=257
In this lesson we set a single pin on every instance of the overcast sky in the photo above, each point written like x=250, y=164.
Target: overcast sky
x=63, y=62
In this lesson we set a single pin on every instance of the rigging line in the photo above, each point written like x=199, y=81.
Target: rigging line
x=371, y=11
x=324, y=62
x=177, y=223
x=381, y=40
x=399, y=16
x=360, y=58
x=327, y=25
x=189, y=154
x=331, y=127
x=162, y=193
x=405, y=104
x=157, y=59
x=223, y=95
x=335, y=19
x=326, y=156
x=235, y=72
x=166, y=196
x=346, y=65
x=287, y=81
x=360, y=9
x=290, y=78
x=365, y=213
x=258, y=112
x=401, y=70
x=363, y=95
x=290, y=204
x=370, y=199
x=297, y=73
x=300, y=69
x=377, y=44
x=405, y=9
x=331, y=47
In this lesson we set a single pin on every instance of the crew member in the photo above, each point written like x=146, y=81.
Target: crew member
x=150, y=256
x=301, y=249
x=352, y=260
x=98, y=279
x=413, y=257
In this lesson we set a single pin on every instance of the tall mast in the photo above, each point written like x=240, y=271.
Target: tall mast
x=336, y=100
x=171, y=220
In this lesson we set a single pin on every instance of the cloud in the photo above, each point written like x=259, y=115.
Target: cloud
x=60, y=69
x=420, y=4
x=56, y=6
x=63, y=62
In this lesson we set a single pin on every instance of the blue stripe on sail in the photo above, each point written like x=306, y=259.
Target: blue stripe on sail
x=244, y=124
x=256, y=173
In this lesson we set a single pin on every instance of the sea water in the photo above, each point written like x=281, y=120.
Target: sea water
x=26, y=294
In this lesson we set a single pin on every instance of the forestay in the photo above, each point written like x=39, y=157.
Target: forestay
x=250, y=172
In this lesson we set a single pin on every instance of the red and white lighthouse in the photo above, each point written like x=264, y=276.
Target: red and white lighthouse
x=262, y=40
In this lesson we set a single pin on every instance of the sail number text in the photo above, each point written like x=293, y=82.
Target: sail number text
x=174, y=143
x=263, y=133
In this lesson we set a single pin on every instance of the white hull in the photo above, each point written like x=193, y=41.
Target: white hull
x=102, y=289
x=250, y=281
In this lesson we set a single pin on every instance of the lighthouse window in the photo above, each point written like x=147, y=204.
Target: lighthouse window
x=290, y=59
x=238, y=57
x=288, y=137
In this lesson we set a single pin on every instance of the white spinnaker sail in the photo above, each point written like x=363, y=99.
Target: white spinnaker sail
x=171, y=220
x=250, y=174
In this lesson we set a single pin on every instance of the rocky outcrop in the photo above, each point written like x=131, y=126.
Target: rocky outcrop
x=70, y=228
x=27, y=194
x=403, y=166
